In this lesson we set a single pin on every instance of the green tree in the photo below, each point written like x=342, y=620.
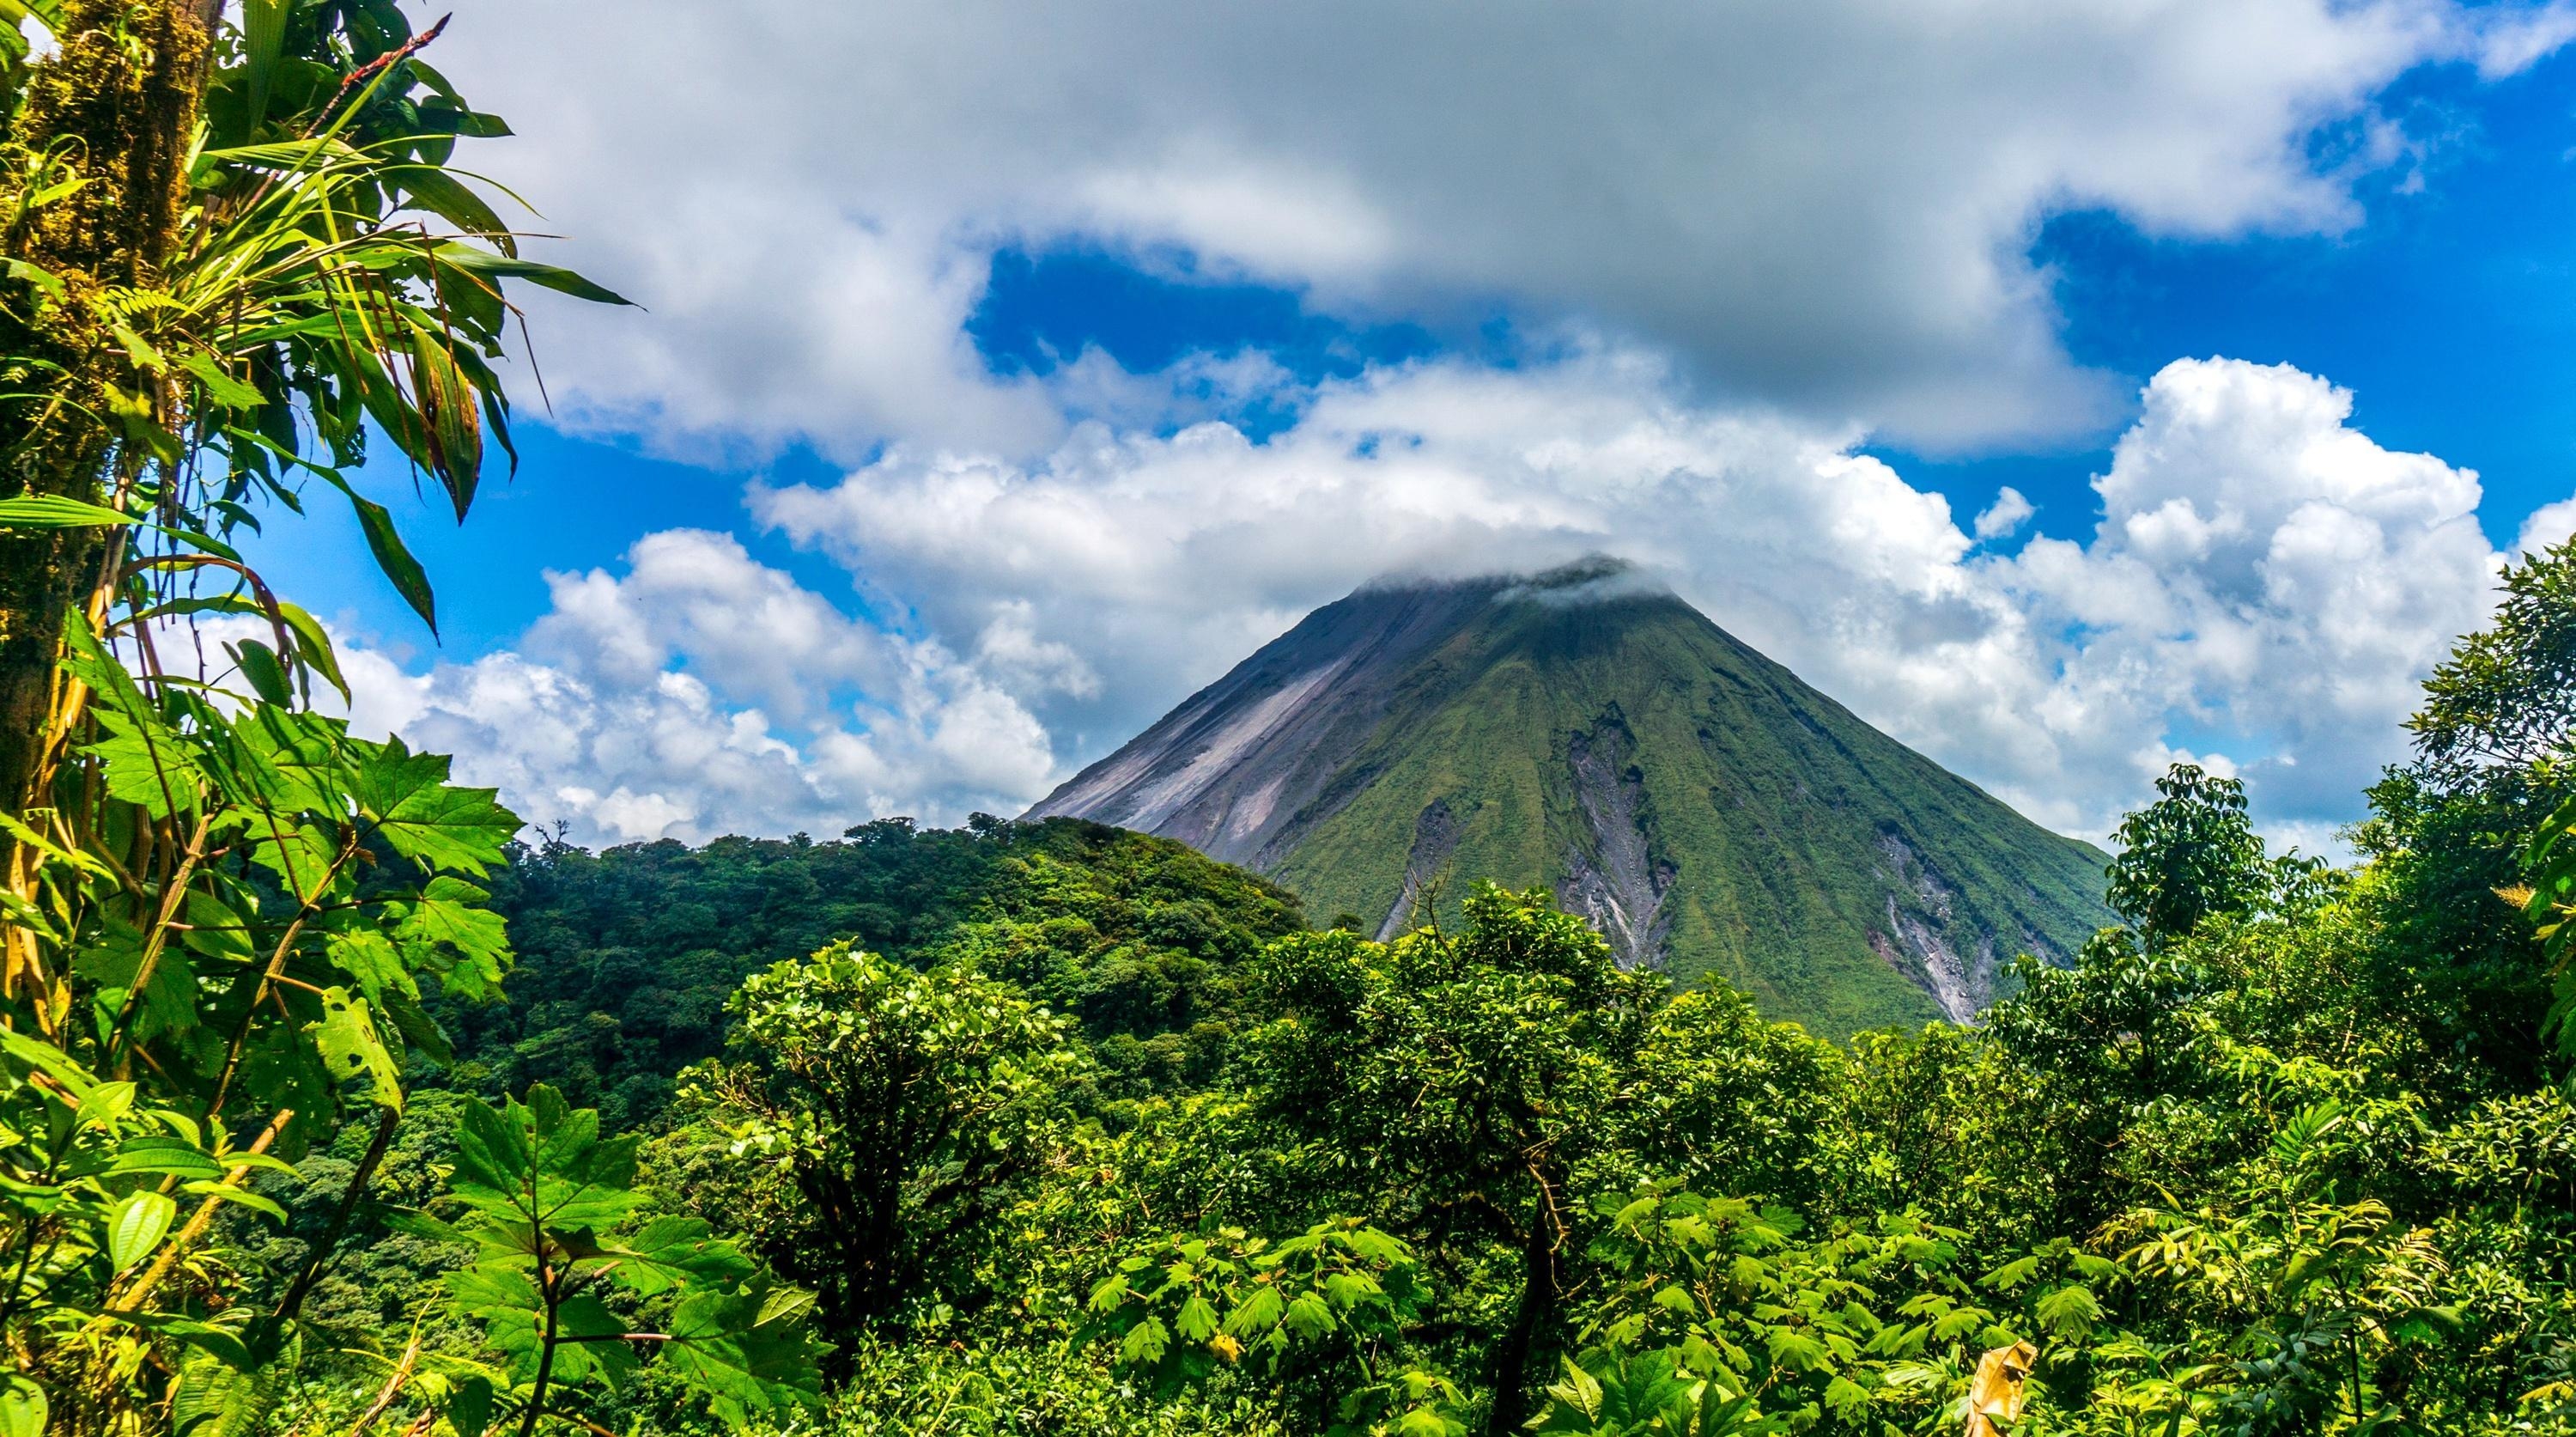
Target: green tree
x=2189, y=856
x=2446, y=829
x=1457, y=1090
x=905, y=1106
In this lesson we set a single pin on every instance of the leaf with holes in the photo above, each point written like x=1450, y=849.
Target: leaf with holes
x=352, y=1048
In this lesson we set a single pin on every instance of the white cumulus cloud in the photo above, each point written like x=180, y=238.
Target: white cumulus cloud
x=1824, y=205
x=2263, y=590
x=700, y=693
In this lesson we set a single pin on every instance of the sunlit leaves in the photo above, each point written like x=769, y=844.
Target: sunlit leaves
x=422, y=817
x=546, y=1196
x=353, y=1049
x=137, y=1227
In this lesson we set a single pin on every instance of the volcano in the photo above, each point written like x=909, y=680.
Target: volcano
x=1587, y=731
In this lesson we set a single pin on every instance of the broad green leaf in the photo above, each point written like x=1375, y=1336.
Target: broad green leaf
x=23, y=1408
x=671, y=1252
x=1145, y=1342
x=469, y=1408
x=137, y=1226
x=351, y=1047
x=40, y=1056
x=266, y=673
x=748, y=1352
x=492, y=1161
x=371, y=961
x=105, y=1105
x=2012, y=1274
x=216, y=1398
x=418, y=1029
x=450, y=913
x=147, y=764
x=300, y=853
x=289, y=760
x=1258, y=1312
x=2070, y=1310
x=284, y=1069
x=426, y=819
x=167, y=1157
x=114, y=958
x=237, y=1196
x=1795, y=1350
x=585, y=1316
x=1309, y=1316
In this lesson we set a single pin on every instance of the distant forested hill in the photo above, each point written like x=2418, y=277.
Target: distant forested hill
x=626, y=957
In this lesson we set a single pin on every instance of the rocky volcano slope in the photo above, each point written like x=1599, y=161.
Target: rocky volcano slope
x=1582, y=730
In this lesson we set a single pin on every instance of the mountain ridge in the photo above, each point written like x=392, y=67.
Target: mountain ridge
x=1588, y=731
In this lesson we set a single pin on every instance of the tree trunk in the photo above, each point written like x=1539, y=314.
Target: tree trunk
x=1537, y=1311
x=116, y=105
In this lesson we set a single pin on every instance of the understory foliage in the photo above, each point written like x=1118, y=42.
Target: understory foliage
x=237, y=256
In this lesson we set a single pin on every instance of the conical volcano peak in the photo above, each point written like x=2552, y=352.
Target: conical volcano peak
x=1584, y=729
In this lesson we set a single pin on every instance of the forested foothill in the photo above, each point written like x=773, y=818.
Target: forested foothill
x=329, y=1105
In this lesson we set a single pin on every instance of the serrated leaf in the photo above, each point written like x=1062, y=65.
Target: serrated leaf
x=1795, y=1350
x=2071, y=1310
x=1145, y=1342
x=750, y=1363
x=1196, y=1320
x=428, y=820
x=673, y=1251
x=1309, y=1316
x=449, y=914
x=371, y=961
x=1258, y=1312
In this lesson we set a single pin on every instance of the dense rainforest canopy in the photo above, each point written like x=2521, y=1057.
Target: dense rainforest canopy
x=328, y=1106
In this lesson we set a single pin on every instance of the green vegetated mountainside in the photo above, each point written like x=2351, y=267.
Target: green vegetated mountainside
x=1592, y=734
x=626, y=957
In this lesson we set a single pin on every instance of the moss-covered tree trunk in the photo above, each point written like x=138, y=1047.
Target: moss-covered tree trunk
x=114, y=108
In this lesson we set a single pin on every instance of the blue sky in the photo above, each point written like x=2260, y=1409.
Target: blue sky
x=986, y=388
x=2450, y=311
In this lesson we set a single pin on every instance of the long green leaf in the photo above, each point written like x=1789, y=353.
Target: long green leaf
x=263, y=24
x=53, y=511
x=485, y=263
